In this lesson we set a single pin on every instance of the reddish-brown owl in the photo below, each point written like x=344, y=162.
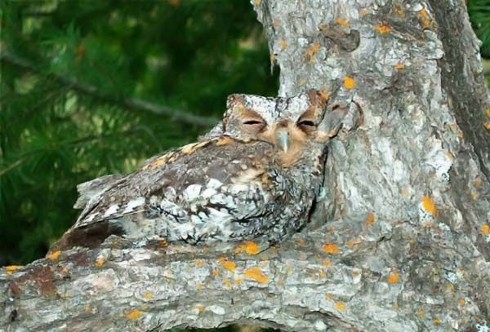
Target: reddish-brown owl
x=255, y=175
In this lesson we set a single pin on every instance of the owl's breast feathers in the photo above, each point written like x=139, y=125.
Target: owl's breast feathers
x=220, y=189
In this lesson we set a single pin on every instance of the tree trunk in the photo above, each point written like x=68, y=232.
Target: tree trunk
x=401, y=240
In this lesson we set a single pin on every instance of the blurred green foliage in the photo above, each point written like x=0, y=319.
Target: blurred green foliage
x=479, y=11
x=79, y=79
x=82, y=80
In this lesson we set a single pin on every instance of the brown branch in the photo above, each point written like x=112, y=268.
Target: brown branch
x=129, y=103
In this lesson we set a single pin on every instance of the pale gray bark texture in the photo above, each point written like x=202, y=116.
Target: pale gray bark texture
x=401, y=240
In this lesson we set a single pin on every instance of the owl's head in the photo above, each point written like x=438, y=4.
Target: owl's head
x=292, y=125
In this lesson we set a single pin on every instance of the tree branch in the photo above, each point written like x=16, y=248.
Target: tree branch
x=129, y=103
x=306, y=284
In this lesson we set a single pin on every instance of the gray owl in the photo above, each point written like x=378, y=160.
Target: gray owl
x=255, y=175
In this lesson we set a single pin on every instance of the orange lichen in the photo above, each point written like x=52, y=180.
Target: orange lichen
x=327, y=263
x=257, y=275
x=461, y=302
x=200, y=286
x=163, y=243
x=485, y=229
x=421, y=314
x=486, y=124
x=134, y=314
x=424, y=13
x=370, y=219
x=437, y=321
x=340, y=306
x=229, y=265
x=475, y=195
x=258, y=2
x=349, y=83
x=425, y=18
x=149, y=295
x=342, y=22
x=313, y=51
x=12, y=268
x=277, y=24
x=283, y=44
x=55, y=255
x=394, y=278
x=331, y=248
x=400, y=66
x=216, y=273
x=429, y=206
x=238, y=281
x=248, y=247
x=383, y=29
x=100, y=262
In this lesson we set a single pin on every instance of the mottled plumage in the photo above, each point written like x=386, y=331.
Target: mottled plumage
x=256, y=174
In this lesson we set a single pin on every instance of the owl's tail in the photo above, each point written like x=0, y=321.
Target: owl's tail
x=90, y=236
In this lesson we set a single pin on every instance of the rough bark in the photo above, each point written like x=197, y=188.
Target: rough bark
x=401, y=240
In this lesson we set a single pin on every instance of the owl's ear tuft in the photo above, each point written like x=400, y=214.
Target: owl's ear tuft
x=235, y=101
x=317, y=99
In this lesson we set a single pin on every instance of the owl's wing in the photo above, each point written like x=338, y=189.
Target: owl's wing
x=223, y=175
x=94, y=188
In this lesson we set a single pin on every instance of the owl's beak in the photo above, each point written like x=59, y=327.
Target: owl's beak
x=283, y=140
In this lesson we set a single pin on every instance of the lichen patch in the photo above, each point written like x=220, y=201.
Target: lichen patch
x=248, y=247
x=331, y=249
x=256, y=275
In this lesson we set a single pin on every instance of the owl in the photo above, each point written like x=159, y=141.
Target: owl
x=256, y=175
